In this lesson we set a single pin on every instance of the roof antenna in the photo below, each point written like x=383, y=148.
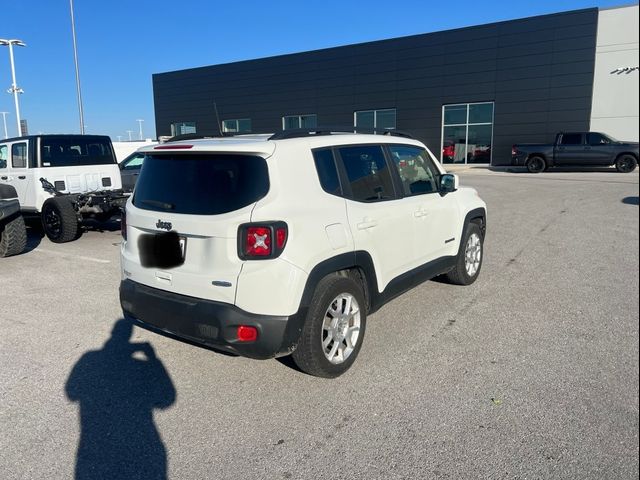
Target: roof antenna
x=215, y=106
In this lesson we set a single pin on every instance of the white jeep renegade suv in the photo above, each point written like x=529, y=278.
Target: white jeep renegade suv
x=274, y=245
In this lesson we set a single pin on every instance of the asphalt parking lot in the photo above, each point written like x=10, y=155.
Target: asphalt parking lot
x=532, y=372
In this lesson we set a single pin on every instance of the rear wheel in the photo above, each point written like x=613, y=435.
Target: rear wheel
x=13, y=237
x=536, y=165
x=626, y=163
x=334, y=328
x=59, y=220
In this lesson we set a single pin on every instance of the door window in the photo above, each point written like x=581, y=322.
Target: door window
x=4, y=156
x=417, y=173
x=19, y=155
x=595, y=139
x=571, y=139
x=367, y=173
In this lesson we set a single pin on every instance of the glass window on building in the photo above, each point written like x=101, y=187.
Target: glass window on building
x=182, y=128
x=467, y=132
x=242, y=125
x=376, y=119
x=299, y=121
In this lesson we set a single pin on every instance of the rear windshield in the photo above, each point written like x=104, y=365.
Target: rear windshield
x=72, y=151
x=200, y=184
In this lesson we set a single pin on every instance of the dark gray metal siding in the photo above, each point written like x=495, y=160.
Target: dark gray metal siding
x=539, y=72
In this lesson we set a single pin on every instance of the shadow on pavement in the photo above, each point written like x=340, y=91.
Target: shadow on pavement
x=630, y=200
x=117, y=389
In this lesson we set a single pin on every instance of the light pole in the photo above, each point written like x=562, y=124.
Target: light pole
x=14, y=86
x=119, y=138
x=75, y=58
x=4, y=120
x=139, y=120
x=129, y=132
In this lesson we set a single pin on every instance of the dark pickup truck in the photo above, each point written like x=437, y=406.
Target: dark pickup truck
x=584, y=149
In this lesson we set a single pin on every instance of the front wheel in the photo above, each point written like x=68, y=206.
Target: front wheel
x=469, y=259
x=59, y=220
x=334, y=328
x=626, y=163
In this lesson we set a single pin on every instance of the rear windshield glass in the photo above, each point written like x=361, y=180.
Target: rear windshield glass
x=200, y=184
x=72, y=151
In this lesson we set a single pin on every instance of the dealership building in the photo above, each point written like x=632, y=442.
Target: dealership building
x=469, y=93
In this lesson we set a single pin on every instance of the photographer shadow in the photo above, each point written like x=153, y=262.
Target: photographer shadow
x=117, y=389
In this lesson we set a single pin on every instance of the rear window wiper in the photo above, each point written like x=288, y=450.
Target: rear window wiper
x=156, y=203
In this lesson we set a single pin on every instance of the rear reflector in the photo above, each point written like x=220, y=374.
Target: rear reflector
x=247, y=334
x=173, y=147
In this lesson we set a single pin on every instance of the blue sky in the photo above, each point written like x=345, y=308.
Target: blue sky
x=121, y=43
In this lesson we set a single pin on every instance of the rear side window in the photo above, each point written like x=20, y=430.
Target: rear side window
x=571, y=139
x=201, y=184
x=67, y=151
x=367, y=172
x=327, y=172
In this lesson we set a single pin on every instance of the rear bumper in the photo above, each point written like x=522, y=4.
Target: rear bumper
x=212, y=324
x=518, y=160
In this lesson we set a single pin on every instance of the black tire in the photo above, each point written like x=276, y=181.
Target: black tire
x=59, y=220
x=626, y=163
x=310, y=355
x=536, y=164
x=13, y=237
x=459, y=274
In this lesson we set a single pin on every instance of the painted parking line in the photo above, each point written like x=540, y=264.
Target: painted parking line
x=67, y=255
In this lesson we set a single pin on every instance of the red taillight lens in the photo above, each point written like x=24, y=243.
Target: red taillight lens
x=258, y=242
x=123, y=224
x=514, y=151
x=247, y=334
x=261, y=241
x=281, y=237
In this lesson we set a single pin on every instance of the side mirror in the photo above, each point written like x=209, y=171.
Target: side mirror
x=448, y=183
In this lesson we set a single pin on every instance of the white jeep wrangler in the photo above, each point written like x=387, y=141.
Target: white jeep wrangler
x=63, y=179
x=274, y=245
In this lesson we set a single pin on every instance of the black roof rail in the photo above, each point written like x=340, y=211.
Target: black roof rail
x=314, y=131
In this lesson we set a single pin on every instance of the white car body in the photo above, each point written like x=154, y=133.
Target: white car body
x=396, y=238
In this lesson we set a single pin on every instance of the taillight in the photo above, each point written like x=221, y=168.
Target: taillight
x=264, y=240
x=514, y=151
x=123, y=224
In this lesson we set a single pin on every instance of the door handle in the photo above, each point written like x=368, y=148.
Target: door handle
x=420, y=213
x=22, y=177
x=366, y=223
x=4, y=177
